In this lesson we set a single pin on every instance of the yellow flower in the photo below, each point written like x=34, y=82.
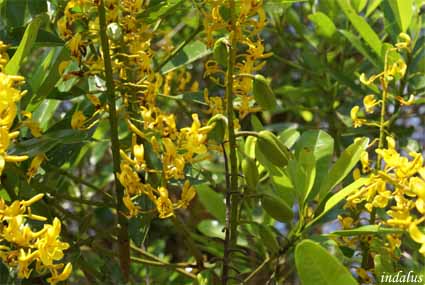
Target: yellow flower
x=416, y=234
x=364, y=159
x=398, y=69
x=409, y=102
x=357, y=122
x=49, y=246
x=188, y=193
x=164, y=204
x=369, y=103
x=346, y=222
x=139, y=153
x=132, y=208
x=78, y=119
x=35, y=165
x=75, y=45
x=62, y=276
x=368, y=81
x=405, y=42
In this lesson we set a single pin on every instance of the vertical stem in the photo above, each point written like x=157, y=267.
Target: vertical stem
x=382, y=120
x=123, y=240
x=232, y=200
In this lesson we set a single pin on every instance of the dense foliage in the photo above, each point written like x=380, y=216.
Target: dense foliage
x=212, y=142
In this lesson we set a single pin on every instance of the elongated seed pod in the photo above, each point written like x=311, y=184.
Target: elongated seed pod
x=250, y=171
x=263, y=94
x=273, y=149
x=220, y=51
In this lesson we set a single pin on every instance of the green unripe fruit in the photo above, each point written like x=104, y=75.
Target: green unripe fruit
x=273, y=149
x=219, y=130
x=263, y=94
x=250, y=171
x=220, y=51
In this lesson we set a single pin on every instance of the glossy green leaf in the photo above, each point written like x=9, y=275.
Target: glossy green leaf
x=303, y=173
x=46, y=77
x=211, y=228
x=359, y=5
x=159, y=9
x=343, y=166
x=212, y=201
x=323, y=24
x=44, y=113
x=190, y=53
x=358, y=45
x=277, y=208
x=24, y=47
x=321, y=144
x=362, y=27
x=289, y=137
x=316, y=266
x=403, y=12
x=371, y=7
x=336, y=198
x=366, y=230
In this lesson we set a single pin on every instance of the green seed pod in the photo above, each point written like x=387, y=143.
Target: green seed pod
x=277, y=208
x=220, y=51
x=273, y=149
x=219, y=130
x=263, y=94
x=250, y=171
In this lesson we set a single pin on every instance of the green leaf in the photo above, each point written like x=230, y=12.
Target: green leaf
x=322, y=146
x=359, y=5
x=24, y=47
x=277, y=208
x=303, y=173
x=158, y=10
x=324, y=25
x=211, y=228
x=256, y=123
x=403, y=12
x=362, y=27
x=343, y=166
x=373, y=4
x=336, y=198
x=212, y=201
x=190, y=53
x=289, y=137
x=366, y=230
x=15, y=12
x=316, y=266
x=358, y=45
x=46, y=77
x=44, y=113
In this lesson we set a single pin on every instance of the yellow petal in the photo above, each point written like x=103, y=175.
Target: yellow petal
x=416, y=234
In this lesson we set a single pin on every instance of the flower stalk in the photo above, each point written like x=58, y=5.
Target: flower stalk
x=123, y=240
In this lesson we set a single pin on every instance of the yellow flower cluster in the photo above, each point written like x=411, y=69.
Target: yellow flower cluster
x=393, y=69
x=396, y=182
x=24, y=249
x=20, y=247
x=139, y=85
x=176, y=149
x=9, y=96
x=249, y=22
x=398, y=187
